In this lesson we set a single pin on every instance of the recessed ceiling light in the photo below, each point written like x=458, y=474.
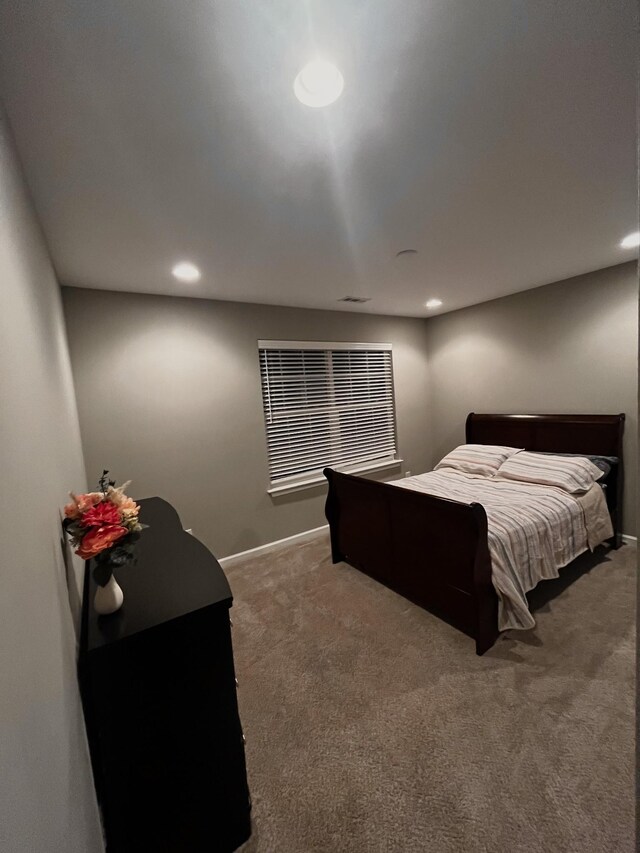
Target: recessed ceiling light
x=186, y=271
x=318, y=84
x=631, y=241
x=434, y=303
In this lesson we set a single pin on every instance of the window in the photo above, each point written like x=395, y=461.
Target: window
x=326, y=404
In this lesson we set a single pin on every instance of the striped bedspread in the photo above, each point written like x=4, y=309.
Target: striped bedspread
x=533, y=530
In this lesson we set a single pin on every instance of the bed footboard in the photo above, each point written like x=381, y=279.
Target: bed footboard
x=430, y=550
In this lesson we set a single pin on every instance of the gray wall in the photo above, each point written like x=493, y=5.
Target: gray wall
x=169, y=396
x=169, y=392
x=567, y=347
x=47, y=801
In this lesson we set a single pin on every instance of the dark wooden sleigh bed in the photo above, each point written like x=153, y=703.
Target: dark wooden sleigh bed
x=434, y=551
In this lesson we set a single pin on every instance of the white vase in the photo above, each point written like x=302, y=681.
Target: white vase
x=108, y=598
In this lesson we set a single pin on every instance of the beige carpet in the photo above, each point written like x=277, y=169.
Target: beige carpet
x=372, y=726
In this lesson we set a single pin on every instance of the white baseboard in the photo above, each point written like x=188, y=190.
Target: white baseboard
x=271, y=546
x=630, y=540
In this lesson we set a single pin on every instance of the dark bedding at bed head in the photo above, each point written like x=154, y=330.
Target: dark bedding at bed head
x=604, y=463
x=609, y=465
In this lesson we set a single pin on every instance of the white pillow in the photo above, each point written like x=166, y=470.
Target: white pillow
x=483, y=460
x=572, y=473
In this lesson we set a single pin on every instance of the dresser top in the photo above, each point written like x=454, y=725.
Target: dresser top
x=175, y=574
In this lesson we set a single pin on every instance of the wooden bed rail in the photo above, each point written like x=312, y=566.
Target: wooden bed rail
x=430, y=550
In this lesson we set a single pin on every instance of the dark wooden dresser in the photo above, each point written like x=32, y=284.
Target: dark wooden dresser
x=159, y=694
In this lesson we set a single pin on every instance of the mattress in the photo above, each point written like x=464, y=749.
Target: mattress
x=533, y=530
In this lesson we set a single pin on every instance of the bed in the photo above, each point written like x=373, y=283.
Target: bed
x=435, y=551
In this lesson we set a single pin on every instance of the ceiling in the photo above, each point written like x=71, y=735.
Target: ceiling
x=498, y=138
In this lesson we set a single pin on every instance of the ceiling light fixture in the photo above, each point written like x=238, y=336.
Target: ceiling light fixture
x=631, y=241
x=318, y=84
x=434, y=303
x=186, y=271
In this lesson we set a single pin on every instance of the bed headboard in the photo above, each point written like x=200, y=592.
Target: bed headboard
x=592, y=434
x=597, y=435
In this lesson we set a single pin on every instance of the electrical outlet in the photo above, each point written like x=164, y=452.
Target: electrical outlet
x=407, y=473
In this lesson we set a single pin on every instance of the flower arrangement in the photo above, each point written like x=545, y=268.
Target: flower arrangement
x=104, y=526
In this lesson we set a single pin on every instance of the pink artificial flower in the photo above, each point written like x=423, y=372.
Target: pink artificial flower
x=104, y=513
x=99, y=539
x=71, y=511
x=129, y=507
x=81, y=503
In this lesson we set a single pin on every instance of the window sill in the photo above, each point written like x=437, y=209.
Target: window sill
x=313, y=482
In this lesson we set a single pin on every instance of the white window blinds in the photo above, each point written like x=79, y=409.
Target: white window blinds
x=326, y=404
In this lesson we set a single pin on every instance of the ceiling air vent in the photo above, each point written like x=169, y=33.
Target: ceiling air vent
x=356, y=299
